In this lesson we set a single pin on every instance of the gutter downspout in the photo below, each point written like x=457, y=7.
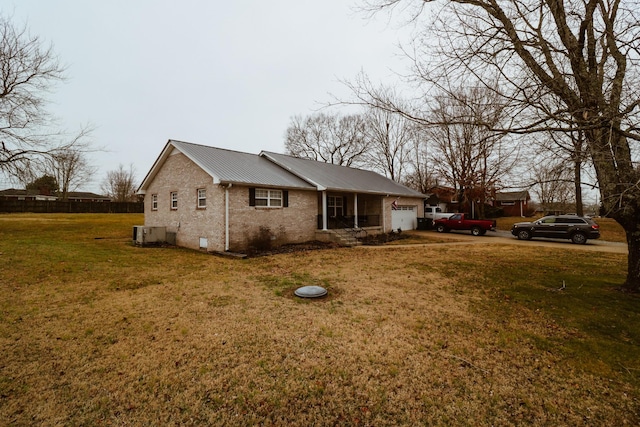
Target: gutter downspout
x=226, y=217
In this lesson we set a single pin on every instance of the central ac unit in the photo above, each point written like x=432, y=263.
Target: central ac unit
x=144, y=235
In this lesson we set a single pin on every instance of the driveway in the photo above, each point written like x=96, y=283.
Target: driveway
x=506, y=238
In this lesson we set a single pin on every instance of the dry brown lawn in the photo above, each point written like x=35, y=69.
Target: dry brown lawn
x=95, y=331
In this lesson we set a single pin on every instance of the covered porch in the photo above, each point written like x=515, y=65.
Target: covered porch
x=349, y=210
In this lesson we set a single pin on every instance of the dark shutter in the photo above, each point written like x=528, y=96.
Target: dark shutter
x=252, y=196
x=285, y=198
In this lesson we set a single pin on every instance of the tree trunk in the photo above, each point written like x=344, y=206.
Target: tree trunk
x=577, y=178
x=619, y=193
x=632, y=284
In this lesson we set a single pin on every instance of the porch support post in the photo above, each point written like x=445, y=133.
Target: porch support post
x=383, y=202
x=324, y=211
x=355, y=210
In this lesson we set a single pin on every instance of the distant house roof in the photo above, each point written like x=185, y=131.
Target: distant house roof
x=83, y=195
x=25, y=194
x=277, y=170
x=12, y=192
x=510, y=196
x=71, y=195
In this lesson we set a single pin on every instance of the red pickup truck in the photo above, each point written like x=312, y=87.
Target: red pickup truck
x=458, y=221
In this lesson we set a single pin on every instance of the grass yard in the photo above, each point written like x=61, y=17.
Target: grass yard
x=95, y=331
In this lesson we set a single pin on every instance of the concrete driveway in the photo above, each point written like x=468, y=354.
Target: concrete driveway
x=506, y=238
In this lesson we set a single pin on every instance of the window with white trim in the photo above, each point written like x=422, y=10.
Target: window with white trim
x=335, y=206
x=174, y=200
x=154, y=202
x=268, y=198
x=202, y=198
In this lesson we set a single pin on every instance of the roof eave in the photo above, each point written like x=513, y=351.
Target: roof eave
x=293, y=172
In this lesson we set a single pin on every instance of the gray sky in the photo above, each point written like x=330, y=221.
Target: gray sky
x=229, y=74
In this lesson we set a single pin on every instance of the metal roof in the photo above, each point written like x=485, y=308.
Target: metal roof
x=508, y=196
x=327, y=176
x=278, y=170
x=228, y=166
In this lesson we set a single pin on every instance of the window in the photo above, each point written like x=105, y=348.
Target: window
x=268, y=198
x=334, y=206
x=507, y=203
x=202, y=198
x=174, y=200
x=154, y=202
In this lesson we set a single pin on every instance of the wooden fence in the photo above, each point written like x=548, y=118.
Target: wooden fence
x=47, y=206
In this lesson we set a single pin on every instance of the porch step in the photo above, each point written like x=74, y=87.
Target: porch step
x=344, y=238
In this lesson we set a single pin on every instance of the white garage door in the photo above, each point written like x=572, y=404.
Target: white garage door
x=404, y=218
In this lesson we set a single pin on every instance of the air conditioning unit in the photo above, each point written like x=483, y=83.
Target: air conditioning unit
x=149, y=235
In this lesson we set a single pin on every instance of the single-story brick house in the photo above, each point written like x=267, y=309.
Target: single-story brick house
x=513, y=203
x=220, y=200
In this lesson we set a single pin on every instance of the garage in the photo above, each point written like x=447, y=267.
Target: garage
x=404, y=218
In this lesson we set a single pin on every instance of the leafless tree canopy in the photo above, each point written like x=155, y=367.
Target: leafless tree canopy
x=120, y=184
x=391, y=140
x=27, y=72
x=330, y=138
x=468, y=152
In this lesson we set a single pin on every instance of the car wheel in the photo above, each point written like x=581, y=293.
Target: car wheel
x=579, y=238
x=440, y=228
x=476, y=231
x=524, y=235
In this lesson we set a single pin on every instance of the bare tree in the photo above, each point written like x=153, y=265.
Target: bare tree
x=468, y=152
x=120, y=184
x=584, y=53
x=422, y=175
x=552, y=183
x=391, y=139
x=330, y=138
x=69, y=164
x=27, y=72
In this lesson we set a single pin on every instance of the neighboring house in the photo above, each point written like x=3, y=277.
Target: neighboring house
x=222, y=200
x=514, y=203
x=82, y=196
x=14, y=194
x=556, y=208
x=72, y=196
x=440, y=195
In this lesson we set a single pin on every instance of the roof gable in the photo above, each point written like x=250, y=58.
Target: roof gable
x=228, y=167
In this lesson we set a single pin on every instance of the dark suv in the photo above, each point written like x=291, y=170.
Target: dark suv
x=573, y=227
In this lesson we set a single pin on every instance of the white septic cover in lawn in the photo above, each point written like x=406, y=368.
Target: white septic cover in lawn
x=310, y=292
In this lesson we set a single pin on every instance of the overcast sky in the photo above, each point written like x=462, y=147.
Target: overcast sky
x=229, y=74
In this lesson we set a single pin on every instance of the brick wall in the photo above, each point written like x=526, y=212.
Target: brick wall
x=295, y=223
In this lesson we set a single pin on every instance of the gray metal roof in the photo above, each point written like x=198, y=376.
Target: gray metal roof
x=278, y=170
x=508, y=196
x=228, y=166
x=340, y=178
